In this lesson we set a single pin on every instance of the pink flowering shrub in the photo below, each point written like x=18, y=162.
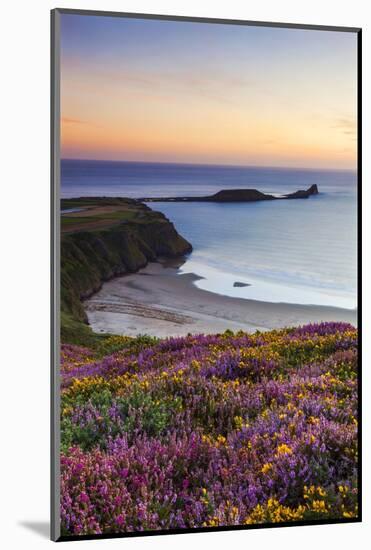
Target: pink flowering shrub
x=214, y=430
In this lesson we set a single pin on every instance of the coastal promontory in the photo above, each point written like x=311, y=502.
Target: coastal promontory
x=104, y=237
x=238, y=195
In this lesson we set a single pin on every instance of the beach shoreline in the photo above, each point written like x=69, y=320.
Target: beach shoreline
x=159, y=301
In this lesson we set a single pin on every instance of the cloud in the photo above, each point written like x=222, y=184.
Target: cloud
x=346, y=125
x=66, y=120
x=78, y=122
x=218, y=86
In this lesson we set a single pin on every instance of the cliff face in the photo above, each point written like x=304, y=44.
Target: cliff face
x=101, y=242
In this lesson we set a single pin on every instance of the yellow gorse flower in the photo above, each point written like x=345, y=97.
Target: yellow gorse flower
x=221, y=440
x=284, y=449
x=266, y=468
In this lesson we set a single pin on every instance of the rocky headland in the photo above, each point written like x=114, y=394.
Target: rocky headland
x=238, y=195
x=102, y=238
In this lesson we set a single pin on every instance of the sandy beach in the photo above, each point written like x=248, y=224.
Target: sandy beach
x=161, y=302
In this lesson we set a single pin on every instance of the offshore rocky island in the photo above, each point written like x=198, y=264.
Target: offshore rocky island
x=238, y=195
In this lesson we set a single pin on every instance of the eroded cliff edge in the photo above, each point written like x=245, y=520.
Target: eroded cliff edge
x=102, y=238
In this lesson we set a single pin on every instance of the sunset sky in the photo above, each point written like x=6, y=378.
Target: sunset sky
x=163, y=91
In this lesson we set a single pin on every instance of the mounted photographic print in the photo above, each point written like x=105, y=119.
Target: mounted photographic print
x=205, y=274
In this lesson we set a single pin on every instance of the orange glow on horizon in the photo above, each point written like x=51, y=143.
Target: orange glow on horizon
x=257, y=110
x=240, y=144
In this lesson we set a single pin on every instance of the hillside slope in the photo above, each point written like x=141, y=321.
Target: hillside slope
x=102, y=238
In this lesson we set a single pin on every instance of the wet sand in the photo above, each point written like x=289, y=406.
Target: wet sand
x=161, y=302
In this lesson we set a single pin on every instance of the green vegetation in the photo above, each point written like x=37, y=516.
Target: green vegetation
x=106, y=238
x=79, y=333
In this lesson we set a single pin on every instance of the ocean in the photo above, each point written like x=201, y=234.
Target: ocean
x=295, y=251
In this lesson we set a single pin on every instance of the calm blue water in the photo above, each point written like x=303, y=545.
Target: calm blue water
x=301, y=251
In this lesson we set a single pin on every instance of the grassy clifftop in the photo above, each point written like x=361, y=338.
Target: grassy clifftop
x=102, y=238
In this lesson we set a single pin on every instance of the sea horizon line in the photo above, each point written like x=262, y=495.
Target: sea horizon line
x=166, y=163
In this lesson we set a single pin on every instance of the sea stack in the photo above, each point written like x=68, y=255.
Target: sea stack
x=303, y=194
